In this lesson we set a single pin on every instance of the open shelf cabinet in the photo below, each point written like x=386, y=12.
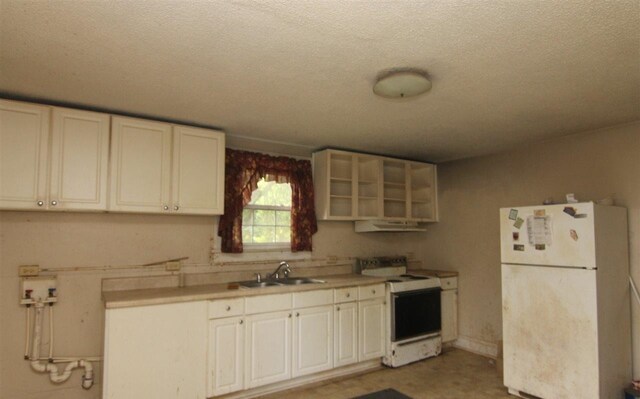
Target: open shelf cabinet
x=353, y=186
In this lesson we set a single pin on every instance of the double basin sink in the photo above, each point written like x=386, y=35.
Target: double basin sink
x=279, y=282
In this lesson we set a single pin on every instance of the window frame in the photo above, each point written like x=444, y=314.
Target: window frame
x=274, y=246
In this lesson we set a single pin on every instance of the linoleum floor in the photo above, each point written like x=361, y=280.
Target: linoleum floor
x=454, y=374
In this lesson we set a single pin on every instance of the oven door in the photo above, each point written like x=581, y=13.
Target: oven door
x=415, y=313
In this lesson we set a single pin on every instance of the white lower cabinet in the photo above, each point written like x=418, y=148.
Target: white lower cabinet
x=345, y=334
x=449, y=309
x=312, y=340
x=226, y=344
x=267, y=348
x=203, y=349
x=371, y=315
x=156, y=352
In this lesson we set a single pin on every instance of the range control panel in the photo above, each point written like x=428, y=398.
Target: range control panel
x=382, y=261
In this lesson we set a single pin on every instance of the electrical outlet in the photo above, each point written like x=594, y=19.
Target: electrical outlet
x=172, y=266
x=28, y=270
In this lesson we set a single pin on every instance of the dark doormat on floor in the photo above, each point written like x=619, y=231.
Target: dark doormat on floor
x=384, y=394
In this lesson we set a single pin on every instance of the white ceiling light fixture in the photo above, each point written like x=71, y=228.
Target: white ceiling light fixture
x=402, y=83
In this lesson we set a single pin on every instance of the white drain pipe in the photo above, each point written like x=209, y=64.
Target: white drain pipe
x=52, y=369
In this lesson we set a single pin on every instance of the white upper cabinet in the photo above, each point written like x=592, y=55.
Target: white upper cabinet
x=352, y=186
x=140, y=165
x=198, y=171
x=24, y=136
x=161, y=168
x=57, y=166
x=79, y=160
x=62, y=159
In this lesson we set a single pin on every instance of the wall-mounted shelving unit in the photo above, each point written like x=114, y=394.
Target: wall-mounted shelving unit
x=353, y=186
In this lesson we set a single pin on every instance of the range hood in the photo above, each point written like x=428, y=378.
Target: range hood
x=370, y=226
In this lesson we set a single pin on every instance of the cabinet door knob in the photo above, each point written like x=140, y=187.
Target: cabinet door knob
x=289, y=315
x=228, y=308
x=338, y=308
x=54, y=203
x=373, y=291
x=166, y=207
x=176, y=207
x=40, y=203
x=348, y=295
x=241, y=321
x=297, y=314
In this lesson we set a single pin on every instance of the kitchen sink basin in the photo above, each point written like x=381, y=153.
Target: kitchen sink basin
x=279, y=282
x=257, y=284
x=300, y=280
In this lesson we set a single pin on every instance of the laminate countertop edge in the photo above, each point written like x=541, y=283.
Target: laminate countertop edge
x=167, y=295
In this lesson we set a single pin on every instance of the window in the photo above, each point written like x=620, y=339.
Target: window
x=266, y=220
x=243, y=171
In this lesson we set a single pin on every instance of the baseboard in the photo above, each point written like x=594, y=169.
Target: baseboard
x=484, y=348
x=357, y=368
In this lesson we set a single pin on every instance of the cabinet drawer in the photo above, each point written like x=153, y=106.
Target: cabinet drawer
x=348, y=294
x=267, y=303
x=226, y=308
x=449, y=283
x=312, y=298
x=370, y=291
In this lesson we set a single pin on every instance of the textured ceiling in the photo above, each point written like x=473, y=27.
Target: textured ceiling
x=504, y=73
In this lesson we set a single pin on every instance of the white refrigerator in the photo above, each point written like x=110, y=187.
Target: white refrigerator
x=565, y=301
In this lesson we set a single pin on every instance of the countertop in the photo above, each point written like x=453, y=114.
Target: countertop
x=157, y=296
x=435, y=273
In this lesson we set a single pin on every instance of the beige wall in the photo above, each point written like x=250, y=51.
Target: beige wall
x=92, y=242
x=592, y=165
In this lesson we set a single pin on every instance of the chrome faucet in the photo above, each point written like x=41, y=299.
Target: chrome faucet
x=285, y=271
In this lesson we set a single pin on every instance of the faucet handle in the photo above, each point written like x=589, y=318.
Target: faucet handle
x=286, y=272
x=258, y=277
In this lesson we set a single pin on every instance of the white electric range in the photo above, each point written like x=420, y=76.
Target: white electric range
x=413, y=331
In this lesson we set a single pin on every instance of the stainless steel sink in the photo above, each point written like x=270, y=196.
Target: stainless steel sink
x=279, y=282
x=257, y=284
x=300, y=280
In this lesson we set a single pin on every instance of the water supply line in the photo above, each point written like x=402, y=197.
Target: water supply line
x=27, y=333
x=49, y=366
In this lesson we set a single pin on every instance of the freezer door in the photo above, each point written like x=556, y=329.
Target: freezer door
x=553, y=235
x=550, y=331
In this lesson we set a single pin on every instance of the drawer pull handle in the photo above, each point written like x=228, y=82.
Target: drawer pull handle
x=373, y=291
x=338, y=308
x=348, y=295
x=241, y=321
x=228, y=308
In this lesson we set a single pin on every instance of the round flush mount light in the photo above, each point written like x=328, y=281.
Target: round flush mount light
x=402, y=83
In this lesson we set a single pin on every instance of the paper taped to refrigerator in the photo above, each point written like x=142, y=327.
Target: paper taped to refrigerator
x=539, y=230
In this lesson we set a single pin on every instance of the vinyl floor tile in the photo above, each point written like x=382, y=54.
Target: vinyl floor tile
x=454, y=374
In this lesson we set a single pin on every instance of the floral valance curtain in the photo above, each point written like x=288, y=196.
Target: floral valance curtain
x=243, y=170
